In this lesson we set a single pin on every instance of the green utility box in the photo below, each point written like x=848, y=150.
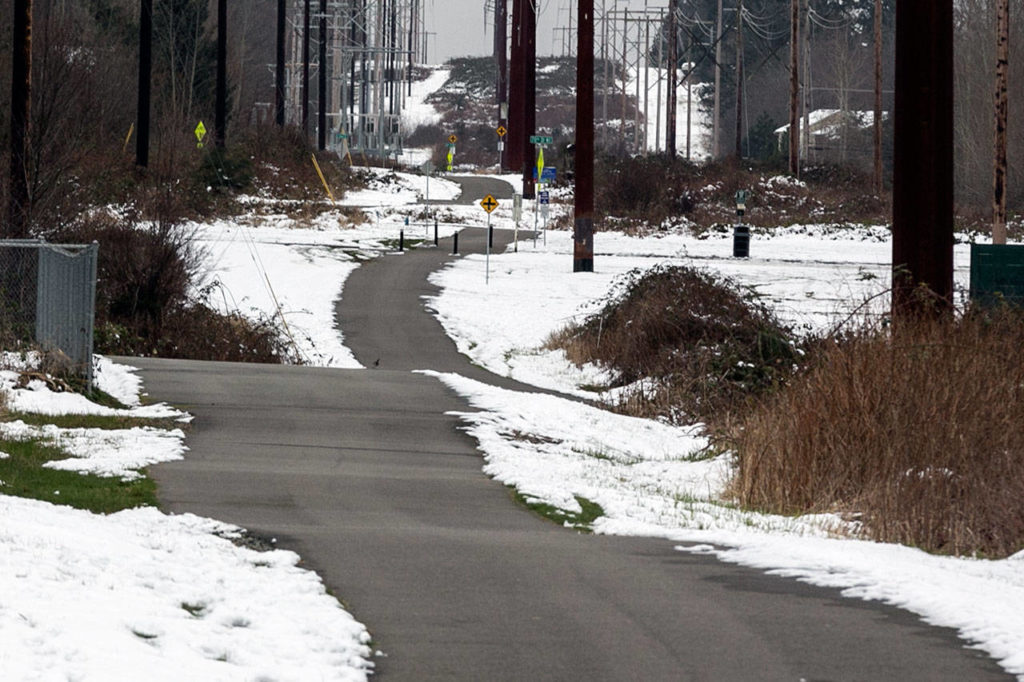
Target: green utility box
x=997, y=273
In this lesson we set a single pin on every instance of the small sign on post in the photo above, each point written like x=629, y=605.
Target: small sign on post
x=200, y=132
x=544, y=197
x=541, y=139
x=501, y=130
x=489, y=203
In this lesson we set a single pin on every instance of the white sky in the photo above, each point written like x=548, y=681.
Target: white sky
x=460, y=29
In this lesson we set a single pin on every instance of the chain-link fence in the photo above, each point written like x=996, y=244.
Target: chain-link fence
x=48, y=299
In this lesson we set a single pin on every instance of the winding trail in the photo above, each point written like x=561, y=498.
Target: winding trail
x=364, y=474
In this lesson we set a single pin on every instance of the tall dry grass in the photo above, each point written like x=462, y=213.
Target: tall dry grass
x=920, y=434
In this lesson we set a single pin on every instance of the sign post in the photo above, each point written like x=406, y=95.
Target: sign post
x=489, y=203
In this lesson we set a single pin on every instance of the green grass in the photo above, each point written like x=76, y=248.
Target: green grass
x=582, y=520
x=87, y=421
x=24, y=475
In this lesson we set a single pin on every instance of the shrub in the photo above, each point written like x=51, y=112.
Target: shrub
x=144, y=304
x=918, y=434
x=701, y=344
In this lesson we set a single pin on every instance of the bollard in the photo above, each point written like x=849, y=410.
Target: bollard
x=455, y=244
x=741, y=241
x=401, y=240
x=435, y=231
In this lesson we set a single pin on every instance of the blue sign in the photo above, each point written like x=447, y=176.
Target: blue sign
x=548, y=175
x=544, y=197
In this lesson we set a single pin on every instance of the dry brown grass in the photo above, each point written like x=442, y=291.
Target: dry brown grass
x=917, y=434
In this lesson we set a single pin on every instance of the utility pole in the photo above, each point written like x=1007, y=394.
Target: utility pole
x=305, y=70
x=530, y=93
x=145, y=84
x=583, y=209
x=279, y=70
x=689, y=93
x=515, y=155
x=21, y=97
x=670, y=108
x=715, y=134
x=878, y=98
x=739, y=80
x=321, y=120
x=220, y=117
x=1002, y=108
x=922, y=245
x=794, y=88
x=501, y=61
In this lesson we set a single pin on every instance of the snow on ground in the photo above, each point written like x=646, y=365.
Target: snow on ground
x=144, y=595
x=390, y=188
x=417, y=112
x=813, y=277
x=654, y=480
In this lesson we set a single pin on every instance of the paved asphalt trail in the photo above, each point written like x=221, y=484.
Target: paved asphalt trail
x=363, y=474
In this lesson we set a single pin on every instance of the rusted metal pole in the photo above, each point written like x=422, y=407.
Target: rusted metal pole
x=583, y=210
x=21, y=95
x=1001, y=115
x=922, y=245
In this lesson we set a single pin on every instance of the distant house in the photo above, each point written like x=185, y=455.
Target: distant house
x=831, y=134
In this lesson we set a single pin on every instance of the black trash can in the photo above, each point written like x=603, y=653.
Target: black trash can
x=741, y=241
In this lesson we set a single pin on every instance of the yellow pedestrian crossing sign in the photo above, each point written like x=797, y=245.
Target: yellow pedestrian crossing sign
x=489, y=203
x=200, y=134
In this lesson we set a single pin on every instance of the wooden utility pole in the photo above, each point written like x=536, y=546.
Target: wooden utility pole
x=715, y=134
x=739, y=80
x=19, y=204
x=670, y=104
x=530, y=94
x=220, y=117
x=279, y=70
x=878, y=98
x=794, y=88
x=501, y=62
x=321, y=119
x=922, y=244
x=1002, y=108
x=305, y=69
x=516, y=136
x=583, y=209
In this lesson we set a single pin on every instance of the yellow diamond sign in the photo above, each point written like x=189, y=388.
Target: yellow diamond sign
x=489, y=203
x=200, y=131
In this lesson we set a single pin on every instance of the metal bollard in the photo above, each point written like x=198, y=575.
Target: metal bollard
x=435, y=231
x=401, y=240
x=455, y=244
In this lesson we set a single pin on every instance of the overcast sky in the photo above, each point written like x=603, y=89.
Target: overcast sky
x=461, y=30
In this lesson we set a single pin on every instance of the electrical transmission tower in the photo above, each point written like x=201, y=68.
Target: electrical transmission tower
x=363, y=53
